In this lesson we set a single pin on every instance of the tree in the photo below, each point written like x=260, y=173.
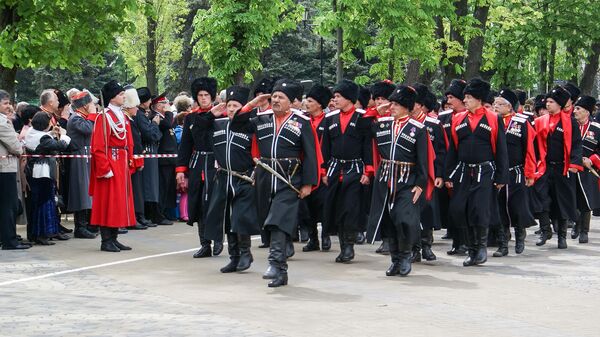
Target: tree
x=57, y=33
x=232, y=34
x=155, y=42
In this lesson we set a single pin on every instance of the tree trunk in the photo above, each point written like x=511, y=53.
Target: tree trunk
x=451, y=70
x=543, y=78
x=475, y=48
x=7, y=79
x=339, y=66
x=151, y=81
x=590, y=70
x=412, y=72
x=8, y=17
x=238, y=78
x=391, y=62
x=188, y=65
x=551, y=64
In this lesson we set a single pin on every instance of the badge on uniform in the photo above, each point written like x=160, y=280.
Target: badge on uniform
x=412, y=131
x=591, y=134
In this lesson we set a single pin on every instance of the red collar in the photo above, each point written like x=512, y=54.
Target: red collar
x=349, y=112
x=200, y=110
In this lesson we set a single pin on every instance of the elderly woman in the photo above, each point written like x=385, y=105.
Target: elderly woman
x=41, y=172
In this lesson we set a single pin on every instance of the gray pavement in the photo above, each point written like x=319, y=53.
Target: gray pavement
x=158, y=289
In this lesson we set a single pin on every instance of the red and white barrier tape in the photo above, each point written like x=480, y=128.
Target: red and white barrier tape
x=136, y=156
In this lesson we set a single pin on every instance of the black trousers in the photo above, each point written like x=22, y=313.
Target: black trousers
x=10, y=205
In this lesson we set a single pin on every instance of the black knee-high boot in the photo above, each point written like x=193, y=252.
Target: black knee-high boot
x=278, y=257
x=115, y=234
x=108, y=244
x=585, y=226
x=234, y=253
x=246, y=258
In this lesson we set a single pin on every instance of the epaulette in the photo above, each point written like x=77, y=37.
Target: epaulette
x=596, y=124
x=361, y=111
x=519, y=119
x=416, y=122
x=522, y=115
x=385, y=119
x=221, y=119
x=266, y=112
x=301, y=115
x=333, y=113
x=445, y=112
x=294, y=110
x=528, y=113
x=432, y=119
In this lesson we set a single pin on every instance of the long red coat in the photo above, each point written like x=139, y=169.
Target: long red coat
x=112, y=198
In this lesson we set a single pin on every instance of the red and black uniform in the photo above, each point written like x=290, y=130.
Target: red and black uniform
x=455, y=232
x=402, y=159
x=515, y=210
x=195, y=158
x=559, y=142
x=288, y=145
x=430, y=209
x=347, y=156
x=477, y=159
x=311, y=207
x=588, y=192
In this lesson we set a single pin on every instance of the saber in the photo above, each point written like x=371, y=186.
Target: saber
x=241, y=176
x=275, y=173
x=594, y=172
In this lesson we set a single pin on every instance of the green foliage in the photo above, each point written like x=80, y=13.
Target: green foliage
x=169, y=16
x=232, y=34
x=59, y=33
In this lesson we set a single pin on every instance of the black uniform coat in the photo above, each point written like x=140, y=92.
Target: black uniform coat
x=430, y=209
x=473, y=164
x=290, y=150
x=392, y=210
x=195, y=157
x=346, y=157
x=150, y=138
x=137, y=182
x=513, y=199
x=311, y=208
x=231, y=207
x=561, y=183
x=443, y=195
x=588, y=193
x=167, y=145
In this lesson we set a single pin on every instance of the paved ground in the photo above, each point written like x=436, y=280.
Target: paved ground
x=74, y=289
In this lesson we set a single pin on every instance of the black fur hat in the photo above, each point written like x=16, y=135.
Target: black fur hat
x=265, y=85
x=110, y=90
x=573, y=91
x=144, y=94
x=382, y=89
x=511, y=97
x=491, y=97
x=405, y=96
x=348, y=90
x=238, y=93
x=477, y=88
x=422, y=92
x=539, y=103
x=290, y=88
x=456, y=89
x=522, y=95
x=320, y=94
x=560, y=95
x=364, y=96
x=62, y=98
x=586, y=102
x=207, y=84
x=431, y=102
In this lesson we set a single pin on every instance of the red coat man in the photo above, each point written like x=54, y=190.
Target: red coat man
x=111, y=167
